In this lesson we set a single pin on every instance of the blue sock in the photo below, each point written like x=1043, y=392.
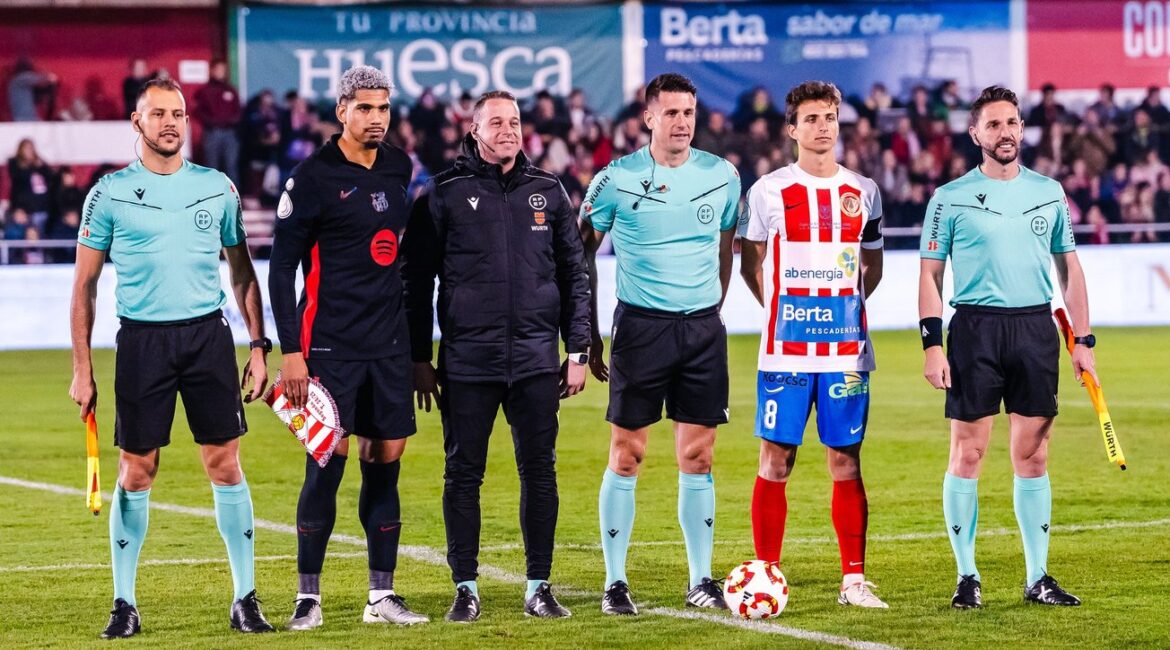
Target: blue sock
x=129, y=518
x=961, y=510
x=696, y=515
x=1033, y=501
x=470, y=584
x=615, y=506
x=233, y=516
x=533, y=585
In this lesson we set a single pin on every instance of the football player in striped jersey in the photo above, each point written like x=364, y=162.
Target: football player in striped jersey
x=812, y=253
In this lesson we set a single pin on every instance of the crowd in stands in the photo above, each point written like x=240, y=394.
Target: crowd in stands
x=1112, y=160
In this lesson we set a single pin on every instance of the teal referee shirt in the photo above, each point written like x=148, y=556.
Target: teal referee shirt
x=1000, y=235
x=164, y=233
x=665, y=223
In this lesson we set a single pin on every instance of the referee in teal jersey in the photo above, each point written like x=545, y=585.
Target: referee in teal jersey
x=163, y=221
x=1002, y=225
x=671, y=211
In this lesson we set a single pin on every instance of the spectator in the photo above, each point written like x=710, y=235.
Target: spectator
x=1109, y=116
x=30, y=178
x=1141, y=139
x=1152, y=104
x=864, y=140
x=26, y=82
x=1081, y=187
x=600, y=145
x=714, y=136
x=299, y=136
x=635, y=108
x=260, y=146
x=878, y=100
x=1162, y=202
x=16, y=227
x=630, y=137
x=1112, y=187
x=1048, y=110
x=904, y=142
x=65, y=229
x=547, y=120
x=947, y=99
x=67, y=197
x=920, y=111
x=939, y=145
x=1092, y=143
x=580, y=115
x=218, y=111
x=427, y=115
x=1096, y=218
x=1141, y=212
x=99, y=102
x=754, y=104
x=139, y=74
x=893, y=180
x=460, y=113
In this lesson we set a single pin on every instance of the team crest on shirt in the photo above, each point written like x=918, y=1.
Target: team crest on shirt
x=538, y=217
x=537, y=202
x=706, y=214
x=203, y=220
x=1039, y=226
x=379, y=201
x=851, y=204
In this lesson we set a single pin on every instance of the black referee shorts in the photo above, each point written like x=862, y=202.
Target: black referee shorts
x=679, y=359
x=155, y=361
x=374, y=396
x=1002, y=354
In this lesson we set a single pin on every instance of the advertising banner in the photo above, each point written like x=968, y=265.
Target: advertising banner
x=729, y=48
x=1084, y=44
x=449, y=49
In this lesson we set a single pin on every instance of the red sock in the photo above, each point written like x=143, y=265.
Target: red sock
x=850, y=518
x=769, y=510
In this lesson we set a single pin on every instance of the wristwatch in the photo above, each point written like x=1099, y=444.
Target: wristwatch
x=264, y=343
x=579, y=358
x=1088, y=341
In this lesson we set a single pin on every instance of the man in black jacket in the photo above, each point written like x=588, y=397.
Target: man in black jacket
x=501, y=237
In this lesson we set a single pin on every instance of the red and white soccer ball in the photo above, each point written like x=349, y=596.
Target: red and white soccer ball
x=756, y=590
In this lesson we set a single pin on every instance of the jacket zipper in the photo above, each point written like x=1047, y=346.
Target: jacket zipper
x=508, y=285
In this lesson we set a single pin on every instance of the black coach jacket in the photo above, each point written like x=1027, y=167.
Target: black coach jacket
x=511, y=268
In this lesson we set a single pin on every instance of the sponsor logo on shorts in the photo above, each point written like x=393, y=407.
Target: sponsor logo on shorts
x=785, y=379
x=852, y=387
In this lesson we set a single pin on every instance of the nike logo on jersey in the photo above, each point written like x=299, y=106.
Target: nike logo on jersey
x=773, y=392
x=854, y=431
x=981, y=197
x=474, y=201
x=345, y=195
x=794, y=205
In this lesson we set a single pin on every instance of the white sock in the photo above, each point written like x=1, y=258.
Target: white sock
x=852, y=579
x=379, y=594
x=316, y=597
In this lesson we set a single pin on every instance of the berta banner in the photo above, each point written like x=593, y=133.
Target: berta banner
x=450, y=49
x=727, y=48
x=1083, y=44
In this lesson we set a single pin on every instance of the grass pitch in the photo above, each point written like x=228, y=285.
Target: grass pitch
x=1108, y=542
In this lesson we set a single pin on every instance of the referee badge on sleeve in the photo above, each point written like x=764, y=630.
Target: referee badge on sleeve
x=285, y=207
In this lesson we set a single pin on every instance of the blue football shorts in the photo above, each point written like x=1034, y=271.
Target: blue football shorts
x=784, y=401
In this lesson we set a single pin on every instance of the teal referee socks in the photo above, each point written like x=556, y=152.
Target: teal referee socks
x=1032, y=498
x=129, y=518
x=696, y=516
x=233, y=516
x=961, y=510
x=615, y=507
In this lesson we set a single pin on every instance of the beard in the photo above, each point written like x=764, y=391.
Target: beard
x=1003, y=159
x=165, y=151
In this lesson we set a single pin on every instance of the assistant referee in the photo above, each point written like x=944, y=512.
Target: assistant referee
x=1002, y=225
x=164, y=221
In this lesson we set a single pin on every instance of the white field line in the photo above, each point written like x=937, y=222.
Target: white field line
x=434, y=556
x=900, y=537
x=186, y=561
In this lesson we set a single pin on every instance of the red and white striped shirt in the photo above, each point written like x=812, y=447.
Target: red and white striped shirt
x=814, y=229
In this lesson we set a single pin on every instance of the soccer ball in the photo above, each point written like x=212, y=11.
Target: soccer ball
x=756, y=590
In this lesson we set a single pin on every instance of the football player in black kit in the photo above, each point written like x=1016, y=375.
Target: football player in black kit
x=340, y=218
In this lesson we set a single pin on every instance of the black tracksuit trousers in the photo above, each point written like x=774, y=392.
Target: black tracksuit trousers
x=469, y=411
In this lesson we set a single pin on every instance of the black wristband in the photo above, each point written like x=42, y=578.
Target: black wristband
x=931, y=331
